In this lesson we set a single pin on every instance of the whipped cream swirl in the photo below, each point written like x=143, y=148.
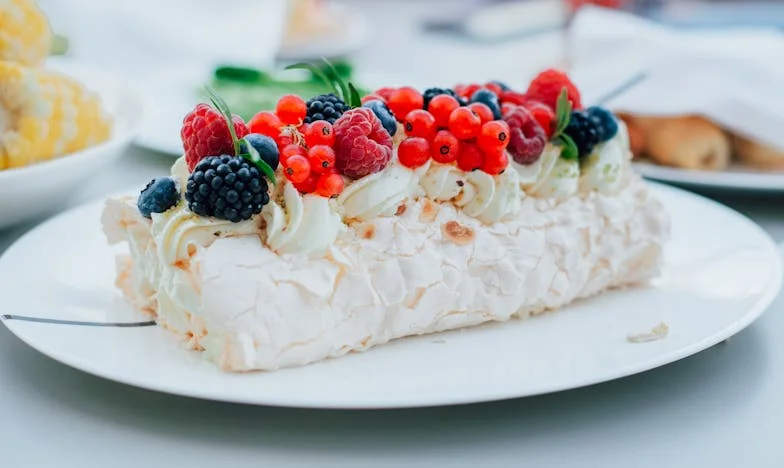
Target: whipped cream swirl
x=381, y=193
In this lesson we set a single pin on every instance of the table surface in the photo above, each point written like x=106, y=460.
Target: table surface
x=720, y=408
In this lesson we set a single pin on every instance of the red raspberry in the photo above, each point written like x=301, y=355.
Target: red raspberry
x=205, y=133
x=527, y=138
x=441, y=106
x=495, y=161
x=493, y=135
x=319, y=133
x=420, y=123
x=445, y=147
x=507, y=107
x=413, y=152
x=470, y=157
x=362, y=146
x=404, y=100
x=543, y=114
x=265, y=123
x=482, y=111
x=547, y=86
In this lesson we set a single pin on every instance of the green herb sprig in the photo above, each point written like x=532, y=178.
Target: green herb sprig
x=343, y=89
x=563, y=113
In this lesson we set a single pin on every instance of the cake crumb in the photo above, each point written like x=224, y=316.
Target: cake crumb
x=457, y=233
x=429, y=211
x=368, y=231
x=401, y=209
x=658, y=332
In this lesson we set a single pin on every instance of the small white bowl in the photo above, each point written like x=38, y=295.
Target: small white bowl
x=30, y=192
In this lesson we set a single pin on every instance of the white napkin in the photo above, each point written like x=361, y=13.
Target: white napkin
x=139, y=37
x=734, y=77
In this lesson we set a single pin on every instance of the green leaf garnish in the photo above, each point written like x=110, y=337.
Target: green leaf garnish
x=563, y=111
x=344, y=90
x=354, y=100
x=318, y=72
x=569, y=147
x=261, y=165
x=223, y=108
x=241, y=74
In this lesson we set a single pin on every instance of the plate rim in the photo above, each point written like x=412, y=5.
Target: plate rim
x=727, y=180
x=766, y=298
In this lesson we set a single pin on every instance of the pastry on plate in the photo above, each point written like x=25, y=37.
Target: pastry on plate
x=288, y=243
x=757, y=154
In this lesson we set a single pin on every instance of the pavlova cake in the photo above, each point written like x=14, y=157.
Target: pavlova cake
x=342, y=222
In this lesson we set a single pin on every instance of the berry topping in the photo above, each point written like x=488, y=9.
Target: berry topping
x=226, y=187
x=385, y=93
x=319, y=133
x=289, y=135
x=507, y=107
x=501, y=86
x=493, y=135
x=445, y=147
x=490, y=99
x=464, y=124
x=466, y=91
x=420, y=123
x=441, y=107
x=543, y=114
x=583, y=132
x=362, y=145
x=526, y=137
x=371, y=97
x=494, y=87
x=296, y=168
x=158, y=196
x=513, y=97
x=264, y=147
x=325, y=107
x=494, y=161
x=482, y=111
x=413, y=152
x=329, y=185
x=430, y=93
x=265, y=123
x=547, y=85
x=205, y=133
x=384, y=115
x=404, y=100
x=291, y=150
x=470, y=157
x=291, y=109
x=321, y=158
x=604, y=121
x=308, y=185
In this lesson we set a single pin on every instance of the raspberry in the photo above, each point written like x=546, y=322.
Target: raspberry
x=265, y=123
x=321, y=158
x=362, y=146
x=482, y=111
x=413, y=152
x=420, y=123
x=493, y=135
x=543, y=114
x=319, y=133
x=330, y=185
x=296, y=168
x=441, y=106
x=291, y=109
x=527, y=138
x=445, y=147
x=463, y=123
x=495, y=161
x=226, y=187
x=547, y=85
x=470, y=157
x=205, y=133
x=507, y=107
x=325, y=107
x=403, y=101
x=584, y=133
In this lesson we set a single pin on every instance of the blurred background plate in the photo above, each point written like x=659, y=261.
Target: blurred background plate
x=736, y=178
x=342, y=42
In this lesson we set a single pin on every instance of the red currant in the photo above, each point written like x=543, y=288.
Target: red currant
x=463, y=123
x=467, y=91
x=513, y=97
x=495, y=161
x=321, y=158
x=372, y=97
x=308, y=185
x=404, y=100
x=329, y=184
x=482, y=111
x=319, y=133
x=494, y=87
x=291, y=150
x=296, y=168
x=385, y=93
x=420, y=123
x=413, y=152
x=493, y=135
x=445, y=147
x=265, y=123
x=542, y=114
x=470, y=157
x=441, y=106
x=291, y=109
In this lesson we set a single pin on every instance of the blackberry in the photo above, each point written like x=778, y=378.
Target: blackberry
x=384, y=115
x=158, y=196
x=583, y=131
x=488, y=98
x=604, y=120
x=325, y=107
x=430, y=93
x=226, y=187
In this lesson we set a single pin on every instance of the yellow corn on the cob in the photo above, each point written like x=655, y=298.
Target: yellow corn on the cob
x=25, y=36
x=44, y=114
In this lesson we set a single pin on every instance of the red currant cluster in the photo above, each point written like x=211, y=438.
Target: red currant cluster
x=307, y=151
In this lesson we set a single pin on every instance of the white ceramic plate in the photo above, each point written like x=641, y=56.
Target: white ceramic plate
x=721, y=272
x=32, y=191
x=734, y=178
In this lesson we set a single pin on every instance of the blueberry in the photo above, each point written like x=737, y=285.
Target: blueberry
x=604, y=121
x=158, y=196
x=501, y=85
x=384, y=115
x=488, y=98
x=265, y=146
